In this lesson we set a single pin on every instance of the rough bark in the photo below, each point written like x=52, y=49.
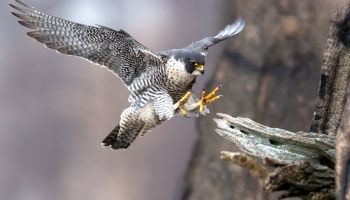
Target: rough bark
x=270, y=69
x=343, y=154
x=300, y=179
x=335, y=73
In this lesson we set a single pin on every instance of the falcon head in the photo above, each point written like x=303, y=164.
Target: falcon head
x=193, y=61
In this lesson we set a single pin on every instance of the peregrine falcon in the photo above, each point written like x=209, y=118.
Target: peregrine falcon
x=160, y=83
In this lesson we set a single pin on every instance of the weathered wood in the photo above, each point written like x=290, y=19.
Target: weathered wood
x=284, y=146
x=302, y=179
x=343, y=155
x=245, y=161
x=304, y=161
x=335, y=74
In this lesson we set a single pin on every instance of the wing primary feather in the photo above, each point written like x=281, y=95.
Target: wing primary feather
x=231, y=30
x=21, y=16
x=118, y=51
x=23, y=4
x=228, y=31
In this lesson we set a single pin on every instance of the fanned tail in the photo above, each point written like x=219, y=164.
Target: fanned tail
x=121, y=141
x=112, y=138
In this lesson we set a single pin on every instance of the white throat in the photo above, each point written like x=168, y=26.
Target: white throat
x=177, y=73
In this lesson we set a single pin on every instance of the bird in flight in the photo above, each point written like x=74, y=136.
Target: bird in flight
x=160, y=83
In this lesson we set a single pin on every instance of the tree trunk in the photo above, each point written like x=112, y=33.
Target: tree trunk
x=270, y=69
x=343, y=154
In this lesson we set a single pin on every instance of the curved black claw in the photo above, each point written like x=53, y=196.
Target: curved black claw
x=187, y=116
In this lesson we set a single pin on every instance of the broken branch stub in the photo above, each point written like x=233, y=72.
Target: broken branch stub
x=304, y=161
x=278, y=144
x=243, y=160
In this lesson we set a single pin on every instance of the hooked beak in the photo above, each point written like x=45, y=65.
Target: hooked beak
x=200, y=68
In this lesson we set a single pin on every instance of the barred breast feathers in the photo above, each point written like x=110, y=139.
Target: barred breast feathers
x=148, y=85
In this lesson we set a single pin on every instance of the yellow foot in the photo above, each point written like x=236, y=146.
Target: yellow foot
x=208, y=99
x=182, y=101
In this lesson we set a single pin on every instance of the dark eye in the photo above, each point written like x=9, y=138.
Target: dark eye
x=193, y=63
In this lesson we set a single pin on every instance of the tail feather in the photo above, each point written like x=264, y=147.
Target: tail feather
x=126, y=131
x=117, y=142
x=136, y=132
x=112, y=137
x=123, y=140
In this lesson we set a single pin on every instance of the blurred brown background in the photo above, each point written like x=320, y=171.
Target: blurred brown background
x=55, y=109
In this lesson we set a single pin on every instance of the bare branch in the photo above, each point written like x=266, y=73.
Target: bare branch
x=245, y=161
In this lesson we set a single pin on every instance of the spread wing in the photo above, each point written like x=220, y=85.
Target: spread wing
x=227, y=32
x=116, y=50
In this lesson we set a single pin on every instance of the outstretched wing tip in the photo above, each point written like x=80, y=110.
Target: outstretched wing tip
x=233, y=29
x=229, y=31
x=241, y=22
x=21, y=9
x=23, y=4
x=17, y=8
x=241, y=18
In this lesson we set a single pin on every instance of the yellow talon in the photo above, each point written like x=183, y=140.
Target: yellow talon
x=201, y=103
x=203, y=94
x=183, y=111
x=201, y=107
x=213, y=92
x=182, y=101
x=208, y=99
x=214, y=99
